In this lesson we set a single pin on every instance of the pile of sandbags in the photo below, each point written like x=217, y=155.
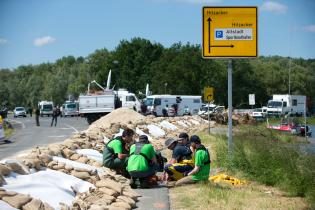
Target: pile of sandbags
x=13, y=166
x=22, y=201
x=108, y=195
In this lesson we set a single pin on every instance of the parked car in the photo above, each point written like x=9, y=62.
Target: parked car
x=205, y=108
x=19, y=111
x=258, y=113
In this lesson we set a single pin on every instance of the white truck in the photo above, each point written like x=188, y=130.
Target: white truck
x=128, y=100
x=92, y=106
x=286, y=105
x=184, y=105
x=45, y=108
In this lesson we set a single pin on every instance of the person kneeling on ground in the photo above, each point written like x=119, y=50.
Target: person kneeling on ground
x=142, y=163
x=181, y=162
x=201, y=170
x=115, y=154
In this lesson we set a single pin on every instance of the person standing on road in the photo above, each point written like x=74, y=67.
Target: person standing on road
x=37, y=113
x=116, y=152
x=56, y=113
x=30, y=110
x=201, y=170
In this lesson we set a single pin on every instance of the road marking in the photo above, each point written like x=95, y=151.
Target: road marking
x=62, y=136
x=72, y=128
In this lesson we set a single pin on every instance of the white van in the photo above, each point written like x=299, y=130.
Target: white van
x=182, y=105
x=70, y=108
x=46, y=108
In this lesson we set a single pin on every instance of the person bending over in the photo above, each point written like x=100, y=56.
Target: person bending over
x=142, y=163
x=181, y=162
x=116, y=152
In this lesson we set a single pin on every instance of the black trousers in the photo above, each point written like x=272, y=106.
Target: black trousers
x=37, y=120
x=54, y=119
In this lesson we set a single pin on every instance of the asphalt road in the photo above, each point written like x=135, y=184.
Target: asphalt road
x=153, y=199
x=28, y=135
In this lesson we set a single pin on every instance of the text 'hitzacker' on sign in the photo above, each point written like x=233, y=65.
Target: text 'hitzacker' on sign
x=229, y=32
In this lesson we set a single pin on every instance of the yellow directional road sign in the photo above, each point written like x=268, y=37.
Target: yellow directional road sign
x=208, y=94
x=229, y=32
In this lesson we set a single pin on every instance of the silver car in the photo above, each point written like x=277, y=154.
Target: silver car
x=19, y=111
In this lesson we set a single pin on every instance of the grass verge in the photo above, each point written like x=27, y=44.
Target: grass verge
x=270, y=160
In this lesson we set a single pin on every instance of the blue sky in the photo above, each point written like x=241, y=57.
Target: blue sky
x=37, y=31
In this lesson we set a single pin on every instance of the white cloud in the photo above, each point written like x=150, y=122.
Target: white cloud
x=310, y=28
x=3, y=41
x=43, y=41
x=275, y=7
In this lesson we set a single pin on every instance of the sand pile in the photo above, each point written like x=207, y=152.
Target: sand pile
x=121, y=115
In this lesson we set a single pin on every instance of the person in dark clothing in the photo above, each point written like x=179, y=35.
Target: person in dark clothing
x=164, y=112
x=30, y=110
x=116, y=152
x=56, y=113
x=175, y=107
x=184, y=139
x=181, y=162
x=143, y=108
x=4, y=112
x=37, y=113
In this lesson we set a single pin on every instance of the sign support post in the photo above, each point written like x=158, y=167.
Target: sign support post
x=209, y=116
x=230, y=140
x=208, y=96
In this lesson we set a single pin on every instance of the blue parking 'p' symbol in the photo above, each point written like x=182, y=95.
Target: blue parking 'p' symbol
x=219, y=34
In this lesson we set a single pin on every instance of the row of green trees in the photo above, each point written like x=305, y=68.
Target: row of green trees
x=137, y=62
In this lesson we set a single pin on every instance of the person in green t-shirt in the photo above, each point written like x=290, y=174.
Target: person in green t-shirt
x=142, y=162
x=201, y=170
x=116, y=152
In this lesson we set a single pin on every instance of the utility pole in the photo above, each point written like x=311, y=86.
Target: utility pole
x=165, y=85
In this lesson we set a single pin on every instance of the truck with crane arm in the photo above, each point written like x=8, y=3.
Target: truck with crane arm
x=95, y=104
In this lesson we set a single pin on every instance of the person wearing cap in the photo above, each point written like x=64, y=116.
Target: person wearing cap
x=181, y=162
x=142, y=163
x=183, y=138
x=201, y=170
x=115, y=154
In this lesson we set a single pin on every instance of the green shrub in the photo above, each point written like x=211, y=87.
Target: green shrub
x=270, y=158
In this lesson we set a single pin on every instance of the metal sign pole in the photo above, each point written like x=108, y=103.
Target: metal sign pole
x=209, y=116
x=305, y=119
x=230, y=106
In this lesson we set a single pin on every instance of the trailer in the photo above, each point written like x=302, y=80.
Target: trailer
x=293, y=105
x=177, y=105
